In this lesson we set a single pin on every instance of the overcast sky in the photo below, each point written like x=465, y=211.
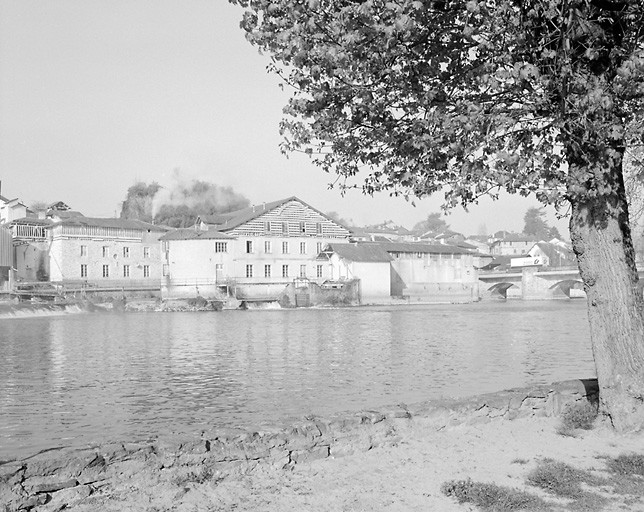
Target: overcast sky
x=97, y=95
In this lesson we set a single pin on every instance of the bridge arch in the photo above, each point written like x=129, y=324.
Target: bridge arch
x=565, y=286
x=500, y=290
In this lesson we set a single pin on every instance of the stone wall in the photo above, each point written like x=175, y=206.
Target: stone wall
x=61, y=478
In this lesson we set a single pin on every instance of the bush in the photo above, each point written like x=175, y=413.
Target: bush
x=631, y=464
x=493, y=497
x=580, y=415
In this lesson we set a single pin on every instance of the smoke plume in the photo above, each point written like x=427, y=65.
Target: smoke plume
x=180, y=204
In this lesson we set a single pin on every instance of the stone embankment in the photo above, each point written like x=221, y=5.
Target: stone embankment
x=63, y=478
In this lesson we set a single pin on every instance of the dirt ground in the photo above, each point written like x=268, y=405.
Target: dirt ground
x=406, y=476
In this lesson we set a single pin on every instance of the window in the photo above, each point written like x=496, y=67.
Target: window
x=249, y=246
x=249, y=271
x=319, y=271
x=106, y=271
x=267, y=226
x=221, y=246
x=146, y=270
x=302, y=247
x=267, y=271
x=83, y=270
x=284, y=270
x=146, y=252
x=319, y=247
x=302, y=227
x=83, y=250
x=318, y=228
x=106, y=251
x=126, y=252
x=285, y=227
x=302, y=270
x=219, y=270
x=126, y=271
x=284, y=247
x=268, y=247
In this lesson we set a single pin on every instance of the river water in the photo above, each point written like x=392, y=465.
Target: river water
x=72, y=380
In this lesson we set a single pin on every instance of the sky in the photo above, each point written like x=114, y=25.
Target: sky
x=95, y=96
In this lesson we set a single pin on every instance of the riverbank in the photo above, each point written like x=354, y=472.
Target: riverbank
x=394, y=459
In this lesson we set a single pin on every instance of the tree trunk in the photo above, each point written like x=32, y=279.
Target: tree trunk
x=601, y=239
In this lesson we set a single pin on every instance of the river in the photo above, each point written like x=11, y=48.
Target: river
x=78, y=379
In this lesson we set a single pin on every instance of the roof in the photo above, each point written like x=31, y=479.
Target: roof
x=195, y=234
x=365, y=253
x=231, y=220
x=64, y=214
x=109, y=223
x=556, y=252
x=32, y=221
x=424, y=248
x=513, y=237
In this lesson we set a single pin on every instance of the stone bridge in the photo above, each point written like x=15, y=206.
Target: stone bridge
x=535, y=283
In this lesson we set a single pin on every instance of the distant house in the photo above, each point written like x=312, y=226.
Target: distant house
x=416, y=271
x=480, y=242
x=268, y=247
x=512, y=245
x=11, y=209
x=368, y=262
x=385, y=232
x=553, y=254
x=60, y=211
x=433, y=271
x=104, y=249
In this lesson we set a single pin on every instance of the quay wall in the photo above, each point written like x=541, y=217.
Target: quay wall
x=65, y=477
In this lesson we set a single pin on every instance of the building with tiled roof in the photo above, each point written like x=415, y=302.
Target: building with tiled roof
x=367, y=262
x=268, y=247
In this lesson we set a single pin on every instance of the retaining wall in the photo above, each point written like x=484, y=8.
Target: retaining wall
x=61, y=478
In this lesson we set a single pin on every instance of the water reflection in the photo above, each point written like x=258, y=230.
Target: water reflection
x=89, y=378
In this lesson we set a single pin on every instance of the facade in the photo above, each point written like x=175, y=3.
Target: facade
x=195, y=262
x=268, y=247
x=553, y=255
x=104, y=250
x=87, y=250
x=512, y=245
x=364, y=261
x=433, y=271
x=31, y=245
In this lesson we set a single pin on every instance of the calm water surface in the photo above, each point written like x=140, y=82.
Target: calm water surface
x=87, y=378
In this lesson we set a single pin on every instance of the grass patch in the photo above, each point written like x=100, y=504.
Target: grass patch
x=562, y=480
x=196, y=477
x=627, y=465
x=577, y=416
x=492, y=497
x=627, y=474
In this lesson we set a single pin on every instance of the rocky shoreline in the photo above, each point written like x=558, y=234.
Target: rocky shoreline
x=66, y=478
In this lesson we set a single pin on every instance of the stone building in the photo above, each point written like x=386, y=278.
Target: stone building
x=256, y=251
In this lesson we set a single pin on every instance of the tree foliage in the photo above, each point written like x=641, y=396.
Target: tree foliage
x=433, y=223
x=473, y=97
x=138, y=202
x=180, y=205
x=535, y=225
x=465, y=95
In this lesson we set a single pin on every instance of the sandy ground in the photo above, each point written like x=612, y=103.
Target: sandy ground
x=406, y=476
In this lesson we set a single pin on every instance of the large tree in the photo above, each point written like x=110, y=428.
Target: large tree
x=472, y=97
x=434, y=222
x=535, y=225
